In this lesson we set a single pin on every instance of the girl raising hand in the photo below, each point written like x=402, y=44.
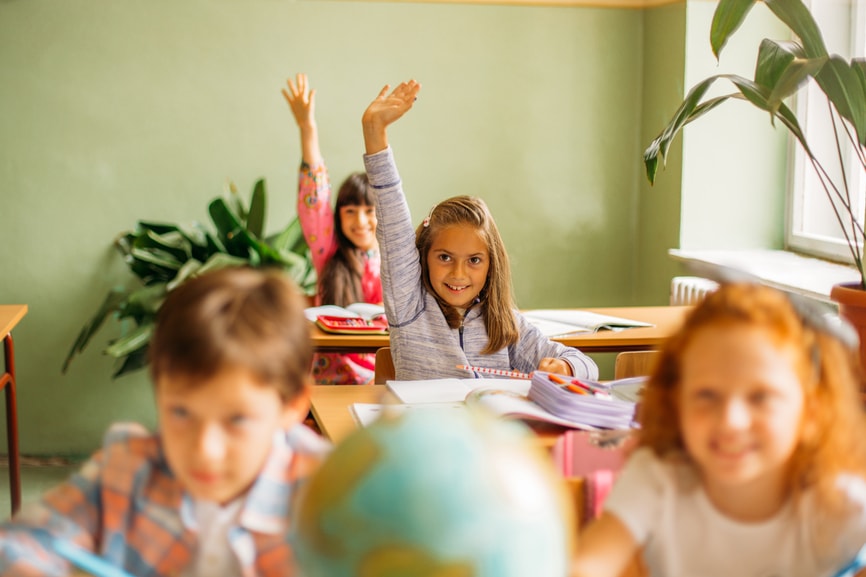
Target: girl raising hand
x=447, y=285
x=342, y=240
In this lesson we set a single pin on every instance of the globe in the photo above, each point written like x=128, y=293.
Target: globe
x=435, y=493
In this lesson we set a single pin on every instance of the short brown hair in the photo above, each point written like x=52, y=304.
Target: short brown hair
x=496, y=300
x=234, y=317
x=833, y=430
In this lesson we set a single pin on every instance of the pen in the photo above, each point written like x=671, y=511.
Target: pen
x=498, y=372
x=85, y=560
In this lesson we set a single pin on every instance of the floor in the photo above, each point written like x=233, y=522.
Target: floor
x=35, y=480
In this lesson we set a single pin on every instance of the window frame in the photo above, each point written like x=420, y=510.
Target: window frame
x=824, y=246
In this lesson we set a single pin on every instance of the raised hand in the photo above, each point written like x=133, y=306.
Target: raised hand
x=384, y=110
x=302, y=100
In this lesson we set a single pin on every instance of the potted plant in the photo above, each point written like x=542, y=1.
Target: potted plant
x=161, y=256
x=782, y=69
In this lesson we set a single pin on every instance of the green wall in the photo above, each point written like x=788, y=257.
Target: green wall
x=112, y=112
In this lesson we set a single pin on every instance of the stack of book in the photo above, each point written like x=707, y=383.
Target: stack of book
x=608, y=406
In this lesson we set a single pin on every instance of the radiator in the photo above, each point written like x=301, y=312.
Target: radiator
x=689, y=290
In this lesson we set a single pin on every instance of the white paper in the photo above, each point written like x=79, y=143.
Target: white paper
x=366, y=413
x=451, y=390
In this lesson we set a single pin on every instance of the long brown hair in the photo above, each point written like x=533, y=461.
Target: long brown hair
x=496, y=300
x=340, y=283
x=833, y=429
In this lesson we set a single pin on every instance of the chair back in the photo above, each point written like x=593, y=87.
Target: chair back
x=384, y=366
x=634, y=364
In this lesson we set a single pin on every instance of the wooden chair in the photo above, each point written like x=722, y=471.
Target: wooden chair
x=634, y=364
x=384, y=366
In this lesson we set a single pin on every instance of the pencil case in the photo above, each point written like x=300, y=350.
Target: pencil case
x=352, y=325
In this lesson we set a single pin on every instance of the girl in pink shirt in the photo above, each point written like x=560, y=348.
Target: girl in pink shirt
x=342, y=240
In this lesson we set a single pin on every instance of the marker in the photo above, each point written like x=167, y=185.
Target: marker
x=497, y=372
x=593, y=390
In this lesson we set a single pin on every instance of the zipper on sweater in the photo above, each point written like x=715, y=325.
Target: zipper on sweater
x=460, y=328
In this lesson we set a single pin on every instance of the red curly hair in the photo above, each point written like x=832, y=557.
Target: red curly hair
x=832, y=431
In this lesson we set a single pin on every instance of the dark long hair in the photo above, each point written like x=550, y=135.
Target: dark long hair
x=341, y=278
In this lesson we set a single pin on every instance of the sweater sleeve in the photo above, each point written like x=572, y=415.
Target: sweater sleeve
x=315, y=213
x=402, y=292
x=534, y=346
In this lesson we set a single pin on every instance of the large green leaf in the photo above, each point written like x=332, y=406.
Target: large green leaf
x=134, y=361
x=221, y=260
x=844, y=86
x=139, y=337
x=256, y=214
x=110, y=305
x=189, y=269
x=228, y=226
x=727, y=18
x=693, y=108
x=797, y=17
x=774, y=58
x=174, y=243
x=792, y=78
x=143, y=303
x=290, y=238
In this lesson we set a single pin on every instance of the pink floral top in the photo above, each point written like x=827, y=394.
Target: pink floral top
x=317, y=222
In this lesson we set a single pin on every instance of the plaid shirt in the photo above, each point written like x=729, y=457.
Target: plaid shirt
x=127, y=505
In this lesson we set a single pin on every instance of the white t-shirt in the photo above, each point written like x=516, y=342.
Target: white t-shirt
x=683, y=535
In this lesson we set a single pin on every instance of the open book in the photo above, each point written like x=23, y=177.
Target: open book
x=503, y=397
x=559, y=322
x=366, y=311
x=356, y=318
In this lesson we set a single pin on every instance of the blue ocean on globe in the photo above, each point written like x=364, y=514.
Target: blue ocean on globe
x=435, y=494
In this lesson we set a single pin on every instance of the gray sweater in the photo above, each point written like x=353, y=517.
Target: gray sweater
x=422, y=344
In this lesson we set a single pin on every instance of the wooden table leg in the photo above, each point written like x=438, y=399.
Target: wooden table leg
x=7, y=382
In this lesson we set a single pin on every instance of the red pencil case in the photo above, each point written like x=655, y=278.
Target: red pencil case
x=352, y=325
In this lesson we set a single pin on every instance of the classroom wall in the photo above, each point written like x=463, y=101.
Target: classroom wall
x=112, y=112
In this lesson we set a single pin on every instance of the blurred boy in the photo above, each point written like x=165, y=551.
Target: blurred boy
x=210, y=493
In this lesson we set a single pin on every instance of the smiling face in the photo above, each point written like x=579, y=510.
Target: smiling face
x=218, y=434
x=358, y=223
x=458, y=262
x=741, y=406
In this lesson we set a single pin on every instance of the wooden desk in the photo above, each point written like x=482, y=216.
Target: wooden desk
x=331, y=410
x=10, y=315
x=330, y=406
x=665, y=320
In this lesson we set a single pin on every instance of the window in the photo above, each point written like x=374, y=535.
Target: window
x=812, y=224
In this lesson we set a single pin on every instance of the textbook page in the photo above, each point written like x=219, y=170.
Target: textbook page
x=366, y=413
x=558, y=322
x=506, y=398
x=505, y=403
x=451, y=390
x=368, y=311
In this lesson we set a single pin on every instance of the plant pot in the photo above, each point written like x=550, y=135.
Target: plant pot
x=852, y=306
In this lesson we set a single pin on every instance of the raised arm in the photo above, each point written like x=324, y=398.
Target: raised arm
x=384, y=110
x=314, y=186
x=302, y=102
